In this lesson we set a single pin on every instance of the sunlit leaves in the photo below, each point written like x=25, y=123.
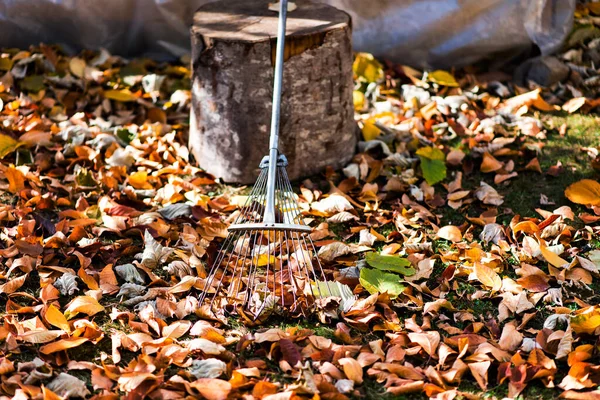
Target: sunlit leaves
x=83, y=304
x=487, y=276
x=443, y=78
x=378, y=281
x=367, y=67
x=123, y=95
x=390, y=263
x=585, y=191
x=7, y=145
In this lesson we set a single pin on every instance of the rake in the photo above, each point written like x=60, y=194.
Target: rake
x=268, y=260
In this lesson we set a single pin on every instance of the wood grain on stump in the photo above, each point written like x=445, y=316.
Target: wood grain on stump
x=233, y=56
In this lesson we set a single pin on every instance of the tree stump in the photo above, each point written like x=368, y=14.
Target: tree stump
x=233, y=57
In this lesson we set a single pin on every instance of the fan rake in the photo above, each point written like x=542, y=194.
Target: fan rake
x=268, y=259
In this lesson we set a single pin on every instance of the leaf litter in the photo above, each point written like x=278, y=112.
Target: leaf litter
x=107, y=229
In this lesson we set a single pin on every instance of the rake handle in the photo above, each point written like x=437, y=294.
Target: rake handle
x=269, y=216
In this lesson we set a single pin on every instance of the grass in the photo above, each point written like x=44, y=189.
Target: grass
x=522, y=193
x=521, y=197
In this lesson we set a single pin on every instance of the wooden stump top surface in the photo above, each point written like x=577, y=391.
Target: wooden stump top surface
x=252, y=21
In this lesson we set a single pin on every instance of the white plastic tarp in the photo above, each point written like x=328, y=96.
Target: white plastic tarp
x=414, y=32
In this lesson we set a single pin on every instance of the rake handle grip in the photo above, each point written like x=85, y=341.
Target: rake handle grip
x=269, y=216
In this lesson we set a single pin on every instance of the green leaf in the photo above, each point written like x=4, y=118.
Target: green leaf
x=390, y=263
x=33, y=83
x=125, y=135
x=433, y=164
x=376, y=281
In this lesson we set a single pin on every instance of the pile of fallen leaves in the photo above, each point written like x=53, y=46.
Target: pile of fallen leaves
x=107, y=230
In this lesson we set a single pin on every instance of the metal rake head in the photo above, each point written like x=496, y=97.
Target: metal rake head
x=264, y=265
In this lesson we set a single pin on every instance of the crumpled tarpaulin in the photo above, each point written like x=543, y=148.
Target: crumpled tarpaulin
x=421, y=33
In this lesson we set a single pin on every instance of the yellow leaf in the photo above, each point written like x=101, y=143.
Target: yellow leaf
x=370, y=131
x=367, y=67
x=7, y=145
x=586, y=321
x=139, y=180
x=586, y=192
x=352, y=369
x=451, y=233
x=265, y=259
x=488, y=276
x=83, y=304
x=358, y=98
x=551, y=257
x=77, y=66
x=442, y=78
x=55, y=318
x=16, y=180
x=120, y=95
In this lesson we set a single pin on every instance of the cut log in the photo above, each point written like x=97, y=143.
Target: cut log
x=233, y=56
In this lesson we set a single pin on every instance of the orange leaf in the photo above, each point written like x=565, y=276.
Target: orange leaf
x=139, y=180
x=55, y=318
x=352, y=369
x=527, y=227
x=586, y=191
x=16, y=180
x=490, y=164
x=63, y=344
x=488, y=276
x=551, y=257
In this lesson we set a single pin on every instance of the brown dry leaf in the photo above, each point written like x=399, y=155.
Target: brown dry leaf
x=450, y=232
x=176, y=330
x=429, y=341
x=511, y=338
x=212, y=389
x=40, y=336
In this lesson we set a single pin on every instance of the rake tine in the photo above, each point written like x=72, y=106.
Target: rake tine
x=268, y=225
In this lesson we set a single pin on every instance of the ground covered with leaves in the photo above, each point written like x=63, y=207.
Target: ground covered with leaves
x=465, y=231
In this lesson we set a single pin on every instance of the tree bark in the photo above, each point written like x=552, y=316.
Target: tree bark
x=233, y=53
